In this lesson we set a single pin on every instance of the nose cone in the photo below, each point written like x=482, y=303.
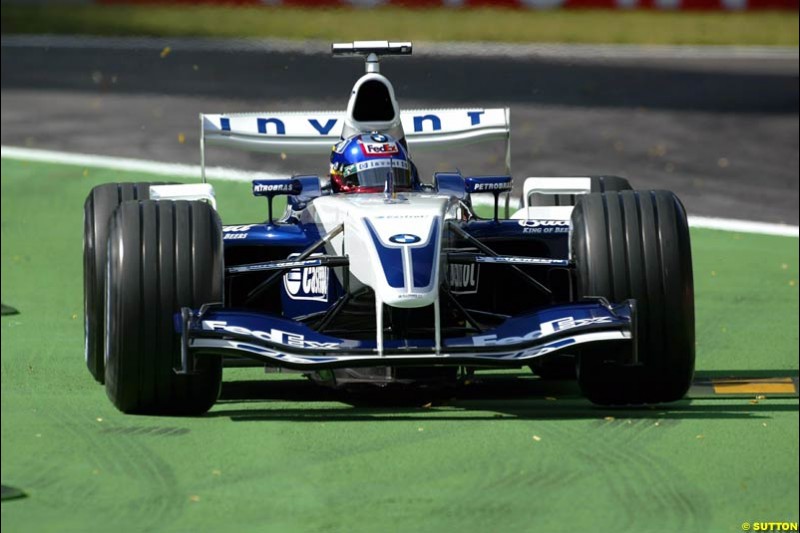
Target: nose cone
x=395, y=247
x=408, y=261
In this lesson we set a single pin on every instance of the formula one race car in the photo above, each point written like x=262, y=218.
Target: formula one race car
x=375, y=277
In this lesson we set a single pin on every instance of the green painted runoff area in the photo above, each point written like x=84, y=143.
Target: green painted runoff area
x=510, y=453
x=402, y=24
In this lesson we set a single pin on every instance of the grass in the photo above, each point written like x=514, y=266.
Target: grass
x=502, y=25
x=276, y=454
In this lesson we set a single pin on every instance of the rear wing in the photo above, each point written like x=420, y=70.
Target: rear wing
x=316, y=132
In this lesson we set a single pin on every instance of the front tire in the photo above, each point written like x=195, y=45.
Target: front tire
x=100, y=204
x=635, y=245
x=558, y=366
x=162, y=256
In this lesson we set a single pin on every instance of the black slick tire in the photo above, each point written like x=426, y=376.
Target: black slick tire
x=563, y=367
x=635, y=245
x=162, y=256
x=100, y=204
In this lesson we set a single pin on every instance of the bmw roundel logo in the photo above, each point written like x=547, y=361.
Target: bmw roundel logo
x=404, y=238
x=379, y=137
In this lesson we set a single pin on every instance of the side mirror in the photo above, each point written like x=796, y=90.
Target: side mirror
x=299, y=189
x=311, y=188
x=489, y=184
x=450, y=183
x=275, y=187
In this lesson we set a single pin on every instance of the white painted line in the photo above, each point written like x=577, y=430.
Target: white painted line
x=132, y=165
x=421, y=48
x=232, y=174
x=744, y=226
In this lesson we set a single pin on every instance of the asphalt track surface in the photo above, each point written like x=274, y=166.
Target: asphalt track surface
x=721, y=132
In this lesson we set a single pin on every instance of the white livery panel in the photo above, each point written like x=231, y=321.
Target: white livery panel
x=394, y=248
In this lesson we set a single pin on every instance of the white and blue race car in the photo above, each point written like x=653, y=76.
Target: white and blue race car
x=376, y=276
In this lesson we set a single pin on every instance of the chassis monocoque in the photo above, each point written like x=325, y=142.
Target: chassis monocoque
x=385, y=288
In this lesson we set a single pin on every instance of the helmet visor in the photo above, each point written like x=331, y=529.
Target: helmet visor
x=374, y=173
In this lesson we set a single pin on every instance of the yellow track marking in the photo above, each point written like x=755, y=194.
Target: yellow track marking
x=754, y=386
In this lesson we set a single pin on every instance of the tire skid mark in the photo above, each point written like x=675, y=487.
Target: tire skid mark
x=595, y=463
x=379, y=446
x=59, y=491
x=691, y=507
x=160, y=431
x=622, y=473
x=162, y=504
x=615, y=459
x=541, y=478
x=614, y=470
x=120, y=454
x=626, y=468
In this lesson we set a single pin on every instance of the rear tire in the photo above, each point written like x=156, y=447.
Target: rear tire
x=97, y=210
x=635, y=245
x=173, y=258
x=598, y=183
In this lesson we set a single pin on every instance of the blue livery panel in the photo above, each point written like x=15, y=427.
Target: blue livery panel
x=516, y=340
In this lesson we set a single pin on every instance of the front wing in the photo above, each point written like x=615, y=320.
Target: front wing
x=282, y=342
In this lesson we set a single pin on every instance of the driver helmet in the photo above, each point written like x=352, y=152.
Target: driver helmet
x=361, y=164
